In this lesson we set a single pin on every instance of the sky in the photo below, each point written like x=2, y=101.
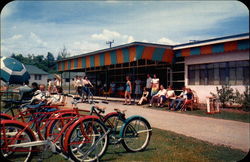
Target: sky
x=38, y=27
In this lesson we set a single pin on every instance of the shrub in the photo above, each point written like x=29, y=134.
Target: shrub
x=246, y=99
x=225, y=94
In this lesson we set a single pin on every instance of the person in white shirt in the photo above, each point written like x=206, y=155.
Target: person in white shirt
x=144, y=97
x=157, y=97
x=170, y=95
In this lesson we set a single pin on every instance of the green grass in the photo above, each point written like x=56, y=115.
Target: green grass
x=169, y=146
x=243, y=117
x=224, y=114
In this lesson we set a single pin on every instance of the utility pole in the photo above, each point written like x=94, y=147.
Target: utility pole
x=110, y=43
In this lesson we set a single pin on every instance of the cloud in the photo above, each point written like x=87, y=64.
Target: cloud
x=108, y=35
x=37, y=39
x=167, y=41
x=15, y=37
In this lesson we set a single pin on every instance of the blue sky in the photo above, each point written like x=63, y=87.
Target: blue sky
x=38, y=27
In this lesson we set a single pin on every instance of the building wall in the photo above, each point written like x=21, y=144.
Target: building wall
x=204, y=90
x=43, y=80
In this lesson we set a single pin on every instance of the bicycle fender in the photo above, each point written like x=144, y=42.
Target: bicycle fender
x=128, y=120
x=6, y=116
x=3, y=122
x=53, y=117
x=74, y=125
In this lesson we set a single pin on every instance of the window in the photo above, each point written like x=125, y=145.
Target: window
x=38, y=77
x=232, y=73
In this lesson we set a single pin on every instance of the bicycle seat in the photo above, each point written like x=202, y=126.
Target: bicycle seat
x=120, y=111
x=101, y=109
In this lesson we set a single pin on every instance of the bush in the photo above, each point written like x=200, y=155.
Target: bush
x=226, y=95
x=246, y=99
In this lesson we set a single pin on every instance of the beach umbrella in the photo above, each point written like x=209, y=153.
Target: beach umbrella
x=12, y=71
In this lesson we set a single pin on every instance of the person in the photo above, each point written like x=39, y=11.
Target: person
x=57, y=98
x=181, y=98
x=57, y=81
x=128, y=91
x=34, y=86
x=144, y=97
x=157, y=97
x=120, y=90
x=40, y=94
x=86, y=85
x=78, y=85
x=170, y=95
x=149, y=84
x=25, y=91
x=155, y=85
x=137, y=87
x=112, y=88
x=50, y=86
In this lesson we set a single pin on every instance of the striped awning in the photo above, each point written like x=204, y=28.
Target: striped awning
x=127, y=53
x=230, y=46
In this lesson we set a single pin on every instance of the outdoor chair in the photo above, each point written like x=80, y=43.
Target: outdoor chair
x=190, y=103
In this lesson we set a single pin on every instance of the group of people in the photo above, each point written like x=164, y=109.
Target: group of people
x=156, y=93
x=82, y=85
x=152, y=86
x=38, y=93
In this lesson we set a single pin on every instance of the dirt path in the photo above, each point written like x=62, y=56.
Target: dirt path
x=217, y=131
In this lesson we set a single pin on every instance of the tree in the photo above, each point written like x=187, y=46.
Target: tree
x=50, y=59
x=63, y=53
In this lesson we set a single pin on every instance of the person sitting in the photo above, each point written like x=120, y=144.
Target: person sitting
x=185, y=95
x=112, y=88
x=156, y=98
x=144, y=97
x=40, y=94
x=56, y=99
x=25, y=91
x=170, y=95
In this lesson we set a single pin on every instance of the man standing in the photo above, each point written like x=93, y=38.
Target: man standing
x=149, y=84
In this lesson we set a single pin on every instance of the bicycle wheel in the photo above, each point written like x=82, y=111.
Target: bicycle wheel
x=57, y=125
x=10, y=135
x=88, y=140
x=114, y=122
x=136, y=134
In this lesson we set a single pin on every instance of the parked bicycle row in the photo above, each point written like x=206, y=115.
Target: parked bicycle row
x=35, y=128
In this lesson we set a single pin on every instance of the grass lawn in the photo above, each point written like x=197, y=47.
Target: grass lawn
x=226, y=114
x=169, y=146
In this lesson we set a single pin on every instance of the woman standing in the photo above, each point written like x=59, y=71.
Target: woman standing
x=137, y=87
x=155, y=85
x=128, y=91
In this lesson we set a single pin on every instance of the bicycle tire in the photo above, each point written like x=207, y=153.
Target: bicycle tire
x=56, y=126
x=12, y=155
x=91, y=128
x=135, y=128
x=114, y=122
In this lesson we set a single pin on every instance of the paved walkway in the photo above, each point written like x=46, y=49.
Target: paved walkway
x=217, y=131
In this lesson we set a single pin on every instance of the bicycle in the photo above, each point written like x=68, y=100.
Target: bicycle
x=19, y=141
x=133, y=133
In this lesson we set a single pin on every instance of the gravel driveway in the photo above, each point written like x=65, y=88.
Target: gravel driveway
x=217, y=131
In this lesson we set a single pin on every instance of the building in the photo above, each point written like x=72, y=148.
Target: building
x=200, y=65
x=37, y=75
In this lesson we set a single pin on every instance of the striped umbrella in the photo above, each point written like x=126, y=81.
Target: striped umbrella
x=12, y=71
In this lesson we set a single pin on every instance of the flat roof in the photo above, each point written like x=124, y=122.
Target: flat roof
x=212, y=41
